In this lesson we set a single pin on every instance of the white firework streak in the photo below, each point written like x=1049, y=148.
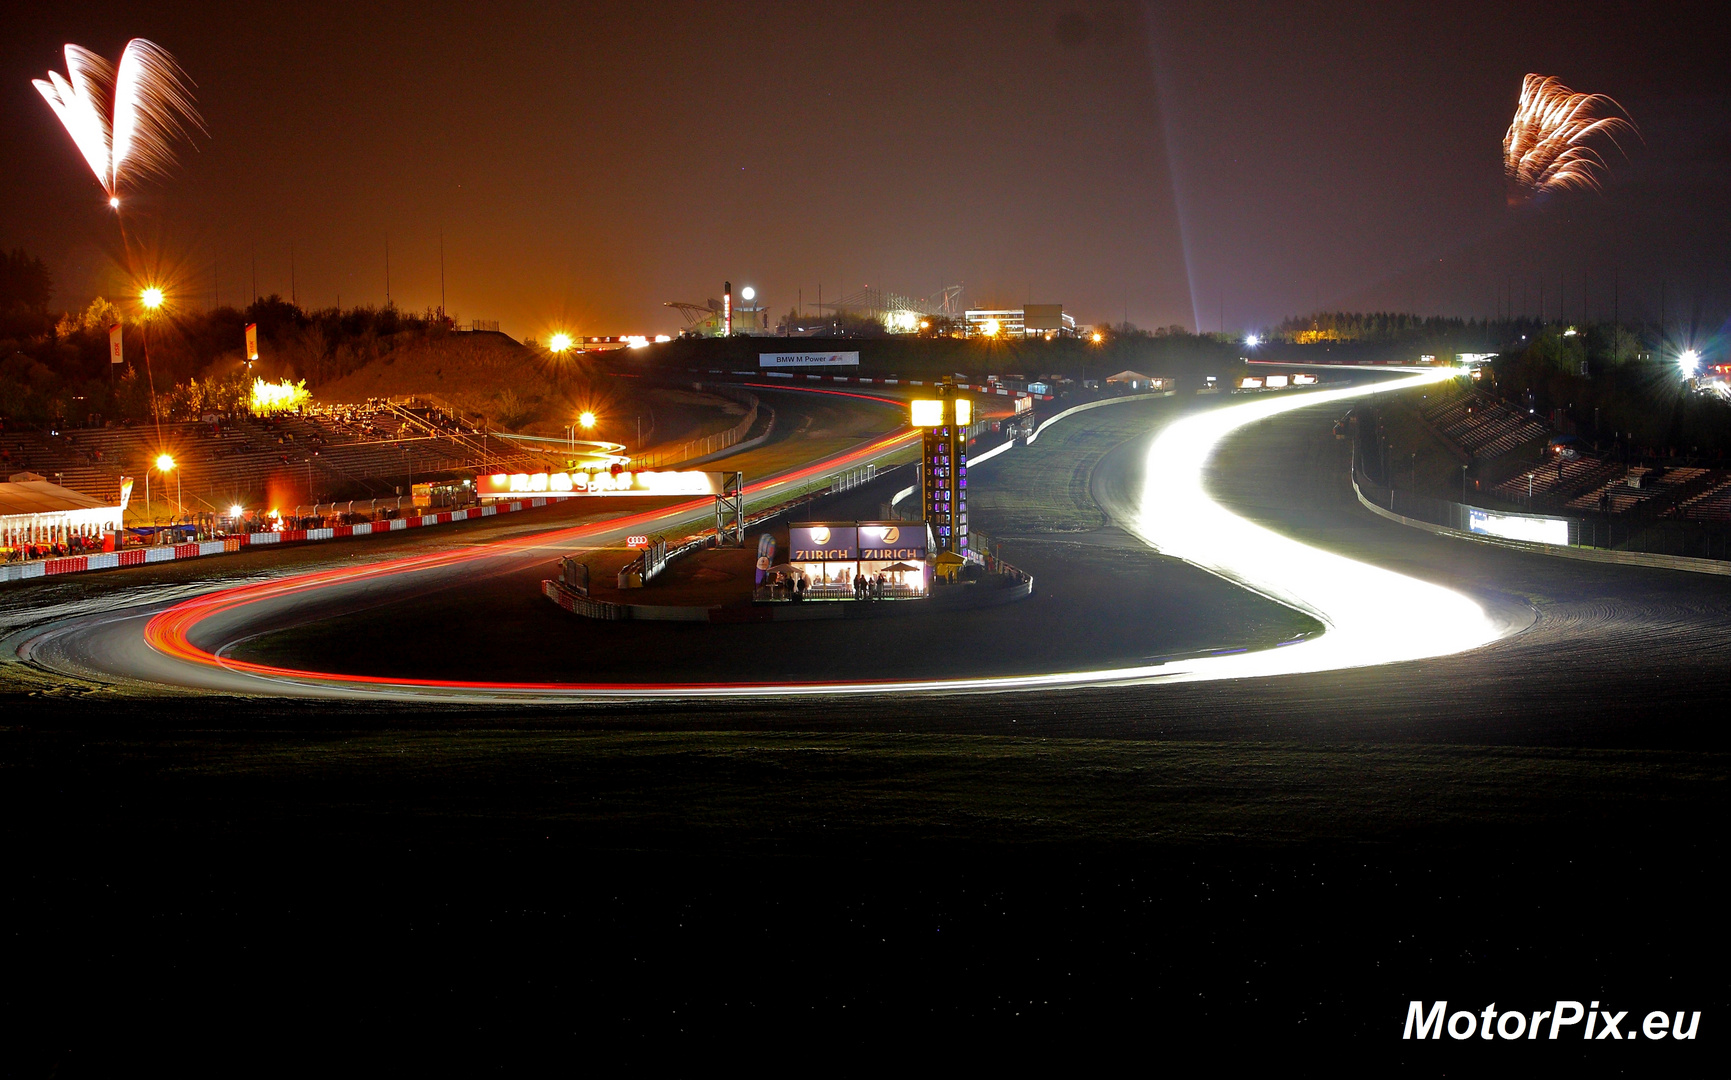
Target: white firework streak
x=124, y=121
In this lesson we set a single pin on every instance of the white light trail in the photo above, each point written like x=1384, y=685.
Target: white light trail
x=1372, y=615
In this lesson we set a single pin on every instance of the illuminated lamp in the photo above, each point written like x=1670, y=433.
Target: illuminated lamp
x=927, y=413
x=964, y=412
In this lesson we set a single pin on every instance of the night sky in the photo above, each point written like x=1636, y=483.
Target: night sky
x=1171, y=162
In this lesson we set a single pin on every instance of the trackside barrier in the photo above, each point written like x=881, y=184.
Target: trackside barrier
x=1074, y=409
x=983, y=388
x=78, y=564
x=1570, y=551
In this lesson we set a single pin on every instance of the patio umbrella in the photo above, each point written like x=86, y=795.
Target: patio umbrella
x=894, y=567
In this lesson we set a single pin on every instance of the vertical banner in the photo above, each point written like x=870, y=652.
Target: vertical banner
x=765, y=555
x=114, y=356
x=125, y=491
x=252, y=341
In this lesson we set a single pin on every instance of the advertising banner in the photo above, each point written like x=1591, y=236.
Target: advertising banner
x=892, y=541
x=1534, y=530
x=125, y=491
x=1043, y=316
x=807, y=359
x=252, y=341
x=114, y=344
x=822, y=543
x=504, y=485
x=765, y=555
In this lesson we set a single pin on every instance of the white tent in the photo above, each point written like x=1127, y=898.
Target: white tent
x=38, y=512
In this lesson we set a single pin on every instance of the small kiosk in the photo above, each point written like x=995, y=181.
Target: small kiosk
x=832, y=555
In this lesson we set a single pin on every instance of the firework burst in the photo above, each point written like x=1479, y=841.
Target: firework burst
x=1549, y=144
x=124, y=119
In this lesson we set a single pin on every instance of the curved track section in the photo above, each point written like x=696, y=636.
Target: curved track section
x=1372, y=614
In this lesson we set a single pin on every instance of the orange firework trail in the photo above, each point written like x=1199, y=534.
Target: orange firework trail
x=1548, y=146
x=123, y=120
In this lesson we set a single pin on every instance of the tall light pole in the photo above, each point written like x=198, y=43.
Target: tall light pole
x=559, y=344
x=165, y=465
x=151, y=298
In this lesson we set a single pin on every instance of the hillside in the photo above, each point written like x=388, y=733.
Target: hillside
x=491, y=378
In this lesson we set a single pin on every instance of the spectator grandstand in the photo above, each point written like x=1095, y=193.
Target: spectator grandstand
x=1713, y=503
x=345, y=451
x=1482, y=428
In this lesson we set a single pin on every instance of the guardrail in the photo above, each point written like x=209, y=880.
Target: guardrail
x=1646, y=542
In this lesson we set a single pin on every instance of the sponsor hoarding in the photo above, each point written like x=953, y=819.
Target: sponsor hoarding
x=891, y=541
x=114, y=349
x=1534, y=530
x=1043, y=316
x=501, y=485
x=807, y=359
x=822, y=543
x=252, y=341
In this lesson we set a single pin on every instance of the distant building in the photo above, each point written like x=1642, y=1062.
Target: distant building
x=1033, y=320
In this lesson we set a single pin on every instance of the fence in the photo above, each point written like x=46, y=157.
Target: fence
x=707, y=444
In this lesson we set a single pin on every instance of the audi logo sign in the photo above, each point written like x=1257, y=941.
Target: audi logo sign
x=637, y=541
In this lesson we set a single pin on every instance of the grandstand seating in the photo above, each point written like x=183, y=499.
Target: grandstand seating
x=1483, y=428
x=1713, y=504
x=1619, y=497
x=354, y=449
x=1552, y=484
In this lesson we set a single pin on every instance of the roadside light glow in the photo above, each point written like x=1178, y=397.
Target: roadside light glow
x=164, y=463
x=1099, y=337
x=748, y=292
x=559, y=343
x=587, y=420
x=151, y=298
x=1252, y=340
x=989, y=328
x=1690, y=362
x=114, y=201
x=236, y=511
x=927, y=413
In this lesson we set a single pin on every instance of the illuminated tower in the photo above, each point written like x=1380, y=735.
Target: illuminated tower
x=727, y=309
x=944, y=466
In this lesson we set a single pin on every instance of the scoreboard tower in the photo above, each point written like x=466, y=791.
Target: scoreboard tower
x=944, y=466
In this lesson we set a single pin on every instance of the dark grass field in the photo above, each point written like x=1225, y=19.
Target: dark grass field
x=1258, y=872
x=478, y=893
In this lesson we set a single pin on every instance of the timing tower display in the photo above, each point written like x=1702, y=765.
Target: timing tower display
x=944, y=465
